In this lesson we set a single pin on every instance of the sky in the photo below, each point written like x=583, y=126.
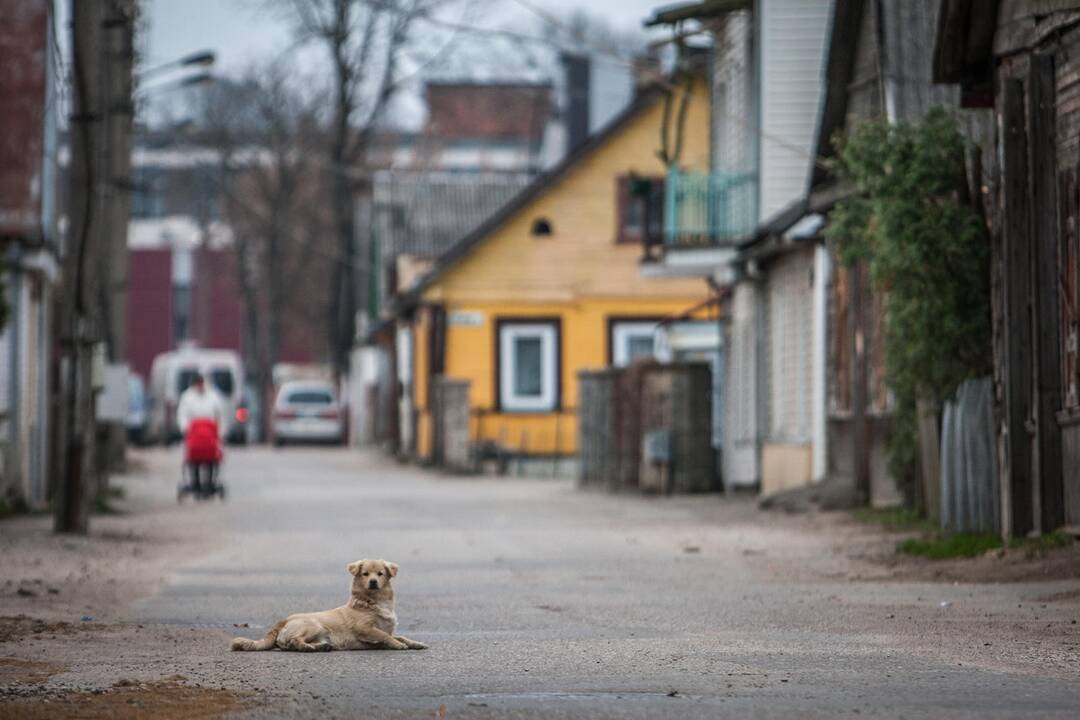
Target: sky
x=245, y=32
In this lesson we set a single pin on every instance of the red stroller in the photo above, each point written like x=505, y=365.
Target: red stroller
x=202, y=462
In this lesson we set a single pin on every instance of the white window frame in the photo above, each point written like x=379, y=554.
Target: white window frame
x=548, y=333
x=623, y=330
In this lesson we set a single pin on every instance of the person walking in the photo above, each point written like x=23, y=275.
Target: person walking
x=201, y=407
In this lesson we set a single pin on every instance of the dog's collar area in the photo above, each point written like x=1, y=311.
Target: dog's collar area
x=368, y=599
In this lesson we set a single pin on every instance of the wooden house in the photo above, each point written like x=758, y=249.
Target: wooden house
x=1020, y=61
x=878, y=68
x=549, y=286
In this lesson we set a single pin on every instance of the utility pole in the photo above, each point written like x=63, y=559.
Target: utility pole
x=79, y=322
x=119, y=112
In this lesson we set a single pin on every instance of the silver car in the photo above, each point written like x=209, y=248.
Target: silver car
x=308, y=411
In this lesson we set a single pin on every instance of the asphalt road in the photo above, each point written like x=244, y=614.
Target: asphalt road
x=539, y=601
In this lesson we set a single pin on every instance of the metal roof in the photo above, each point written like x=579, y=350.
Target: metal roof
x=671, y=14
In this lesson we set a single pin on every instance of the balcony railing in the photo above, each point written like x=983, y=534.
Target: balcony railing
x=708, y=209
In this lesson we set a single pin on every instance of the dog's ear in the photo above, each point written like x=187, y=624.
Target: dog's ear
x=354, y=567
x=391, y=568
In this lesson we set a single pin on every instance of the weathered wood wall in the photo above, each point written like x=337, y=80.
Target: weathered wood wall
x=677, y=398
x=618, y=408
x=452, y=412
x=597, y=429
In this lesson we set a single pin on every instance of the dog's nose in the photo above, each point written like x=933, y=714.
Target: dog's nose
x=373, y=584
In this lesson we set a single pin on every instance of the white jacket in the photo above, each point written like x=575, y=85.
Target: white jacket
x=195, y=405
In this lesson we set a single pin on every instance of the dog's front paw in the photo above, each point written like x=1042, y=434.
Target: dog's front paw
x=418, y=646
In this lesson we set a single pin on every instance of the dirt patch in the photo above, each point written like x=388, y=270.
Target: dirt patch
x=867, y=551
x=14, y=629
x=1063, y=596
x=999, y=566
x=14, y=671
x=166, y=700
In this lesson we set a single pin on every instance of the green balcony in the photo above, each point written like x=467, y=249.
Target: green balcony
x=708, y=209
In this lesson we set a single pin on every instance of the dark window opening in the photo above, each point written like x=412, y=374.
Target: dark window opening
x=184, y=378
x=223, y=380
x=640, y=206
x=541, y=227
x=528, y=366
x=310, y=397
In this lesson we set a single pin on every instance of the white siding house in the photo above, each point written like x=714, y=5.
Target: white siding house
x=791, y=47
x=734, y=101
x=768, y=61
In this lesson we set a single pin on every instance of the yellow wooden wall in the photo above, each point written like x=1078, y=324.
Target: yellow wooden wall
x=579, y=274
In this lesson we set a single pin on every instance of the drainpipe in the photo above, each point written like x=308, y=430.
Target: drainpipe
x=13, y=461
x=761, y=400
x=888, y=80
x=756, y=91
x=819, y=421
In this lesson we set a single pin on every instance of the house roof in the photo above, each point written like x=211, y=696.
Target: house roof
x=670, y=14
x=537, y=188
x=773, y=237
x=839, y=74
x=780, y=222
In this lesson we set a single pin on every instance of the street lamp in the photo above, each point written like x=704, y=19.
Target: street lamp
x=201, y=58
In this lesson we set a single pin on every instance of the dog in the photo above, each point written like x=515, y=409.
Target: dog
x=366, y=622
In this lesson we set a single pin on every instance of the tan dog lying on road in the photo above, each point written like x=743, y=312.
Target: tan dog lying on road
x=366, y=622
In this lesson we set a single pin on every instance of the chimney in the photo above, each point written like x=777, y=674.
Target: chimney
x=578, y=94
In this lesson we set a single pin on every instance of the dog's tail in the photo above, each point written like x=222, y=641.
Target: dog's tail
x=267, y=643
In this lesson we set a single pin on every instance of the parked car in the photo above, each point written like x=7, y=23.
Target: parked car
x=138, y=415
x=308, y=411
x=172, y=372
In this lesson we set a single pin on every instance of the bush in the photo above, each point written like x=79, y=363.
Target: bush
x=927, y=254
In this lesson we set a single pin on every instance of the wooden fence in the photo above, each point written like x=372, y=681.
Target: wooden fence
x=647, y=428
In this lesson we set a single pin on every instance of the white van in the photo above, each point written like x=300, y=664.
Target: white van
x=170, y=375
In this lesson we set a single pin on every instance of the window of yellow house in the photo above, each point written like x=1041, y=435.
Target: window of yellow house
x=640, y=208
x=527, y=367
x=632, y=339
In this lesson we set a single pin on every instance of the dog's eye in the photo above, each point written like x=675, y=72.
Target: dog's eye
x=365, y=574
x=380, y=574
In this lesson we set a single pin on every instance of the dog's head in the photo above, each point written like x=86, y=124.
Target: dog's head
x=371, y=575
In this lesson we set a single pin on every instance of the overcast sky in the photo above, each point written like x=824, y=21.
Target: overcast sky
x=246, y=32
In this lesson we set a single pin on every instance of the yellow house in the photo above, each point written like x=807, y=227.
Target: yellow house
x=551, y=285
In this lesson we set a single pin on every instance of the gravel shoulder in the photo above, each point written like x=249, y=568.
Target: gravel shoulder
x=67, y=645
x=129, y=552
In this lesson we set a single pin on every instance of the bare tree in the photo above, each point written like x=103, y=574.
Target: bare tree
x=364, y=40
x=582, y=31
x=268, y=137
